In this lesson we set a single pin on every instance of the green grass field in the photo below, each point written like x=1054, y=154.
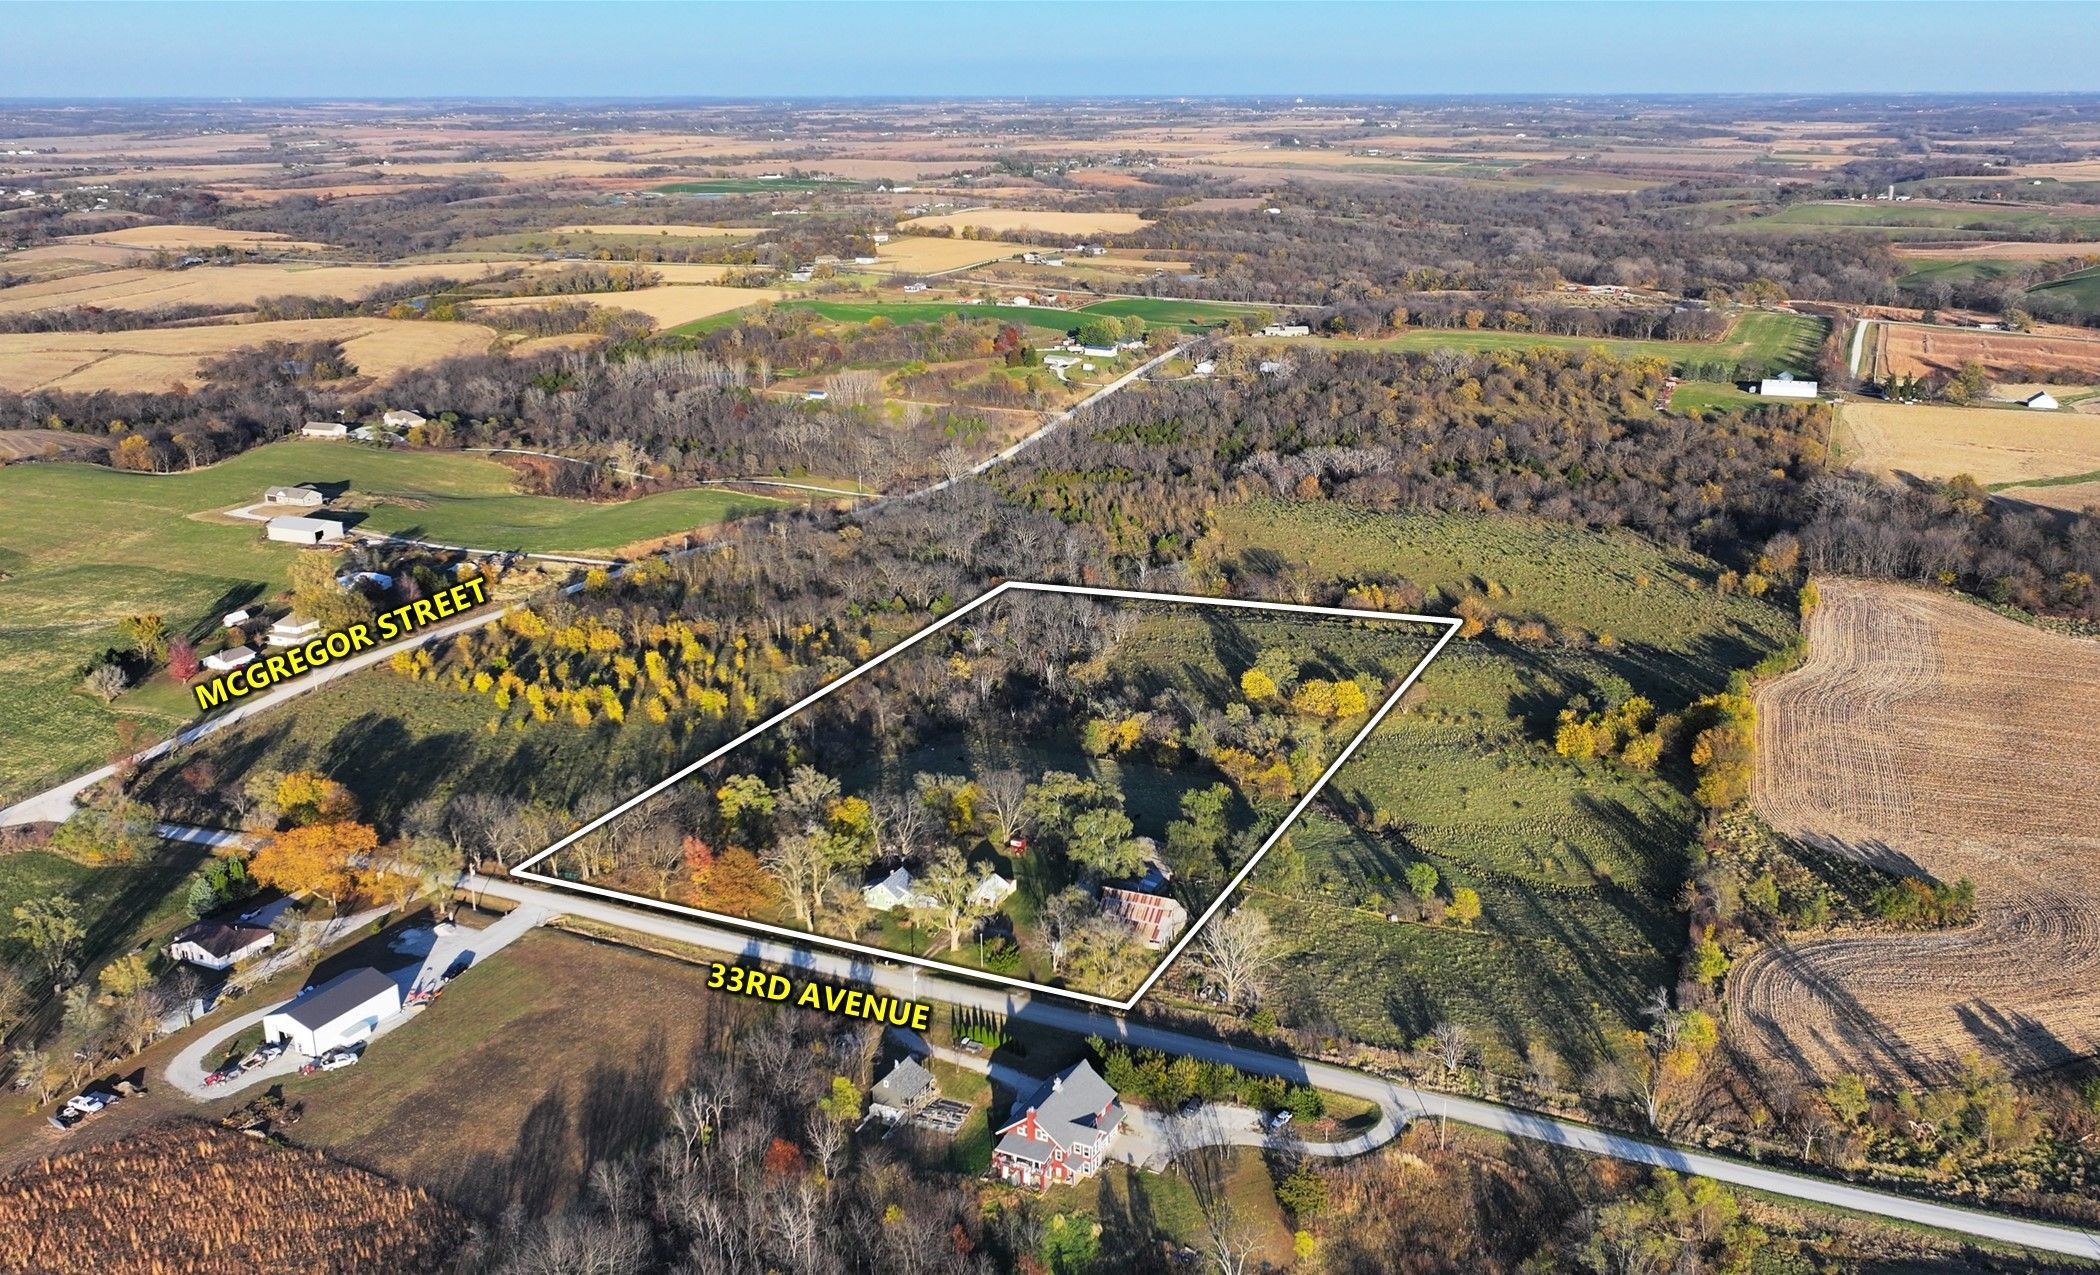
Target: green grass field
x=2083, y=288
x=2011, y=219
x=1577, y=863
x=1168, y=312
x=82, y=546
x=123, y=906
x=1775, y=341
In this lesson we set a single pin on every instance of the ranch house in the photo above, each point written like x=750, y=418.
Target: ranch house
x=302, y=496
x=228, y=660
x=215, y=945
x=1061, y=1134
x=325, y=429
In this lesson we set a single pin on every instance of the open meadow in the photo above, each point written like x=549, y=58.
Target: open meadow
x=158, y=548
x=1997, y=446
x=668, y=304
x=236, y=285
x=1768, y=341
x=1577, y=863
x=153, y=359
x=1913, y=739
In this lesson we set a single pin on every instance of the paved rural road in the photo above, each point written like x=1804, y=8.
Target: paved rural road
x=1402, y=1102
x=56, y=804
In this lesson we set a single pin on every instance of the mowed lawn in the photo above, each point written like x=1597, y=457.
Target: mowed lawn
x=1577, y=862
x=1776, y=341
x=82, y=546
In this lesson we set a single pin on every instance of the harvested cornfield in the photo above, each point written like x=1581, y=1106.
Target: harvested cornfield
x=153, y=359
x=1001, y=221
x=191, y=1197
x=1928, y=734
x=1916, y=349
x=1990, y=444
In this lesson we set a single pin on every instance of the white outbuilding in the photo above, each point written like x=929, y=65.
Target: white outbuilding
x=299, y=530
x=1785, y=386
x=228, y=660
x=346, y=1009
x=325, y=429
x=2041, y=401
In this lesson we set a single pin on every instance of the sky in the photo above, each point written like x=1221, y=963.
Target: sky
x=1129, y=47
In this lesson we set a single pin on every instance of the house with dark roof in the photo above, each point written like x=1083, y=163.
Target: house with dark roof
x=903, y=1093
x=342, y=1011
x=215, y=945
x=1061, y=1133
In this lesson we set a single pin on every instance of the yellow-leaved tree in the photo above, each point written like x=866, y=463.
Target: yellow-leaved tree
x=332, y=861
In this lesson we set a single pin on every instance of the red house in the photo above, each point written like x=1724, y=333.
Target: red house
x=1062, y=1133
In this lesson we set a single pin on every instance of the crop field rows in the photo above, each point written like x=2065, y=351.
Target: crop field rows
x=1910, y=739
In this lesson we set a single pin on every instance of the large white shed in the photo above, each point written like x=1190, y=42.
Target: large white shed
x=346, y=1009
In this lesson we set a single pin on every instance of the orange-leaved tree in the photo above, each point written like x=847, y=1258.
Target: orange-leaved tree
x=332, y=861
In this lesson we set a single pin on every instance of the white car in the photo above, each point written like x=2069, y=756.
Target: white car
x=87, y=1104
x=1276, y=1121
x=337, y=1059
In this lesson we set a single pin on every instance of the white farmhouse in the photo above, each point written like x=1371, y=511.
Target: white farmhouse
x=293, y=630
x=302, y=496
x=216, y=945
x=342, y=1011
x=992, y=891
x=897, y=890
x=401, y=419
x=228, y=660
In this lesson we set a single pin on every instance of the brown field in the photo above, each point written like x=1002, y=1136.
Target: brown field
x=669, y=304
x=239, y=285
x=1990, y=444
x=1992, y=248
x=173, y=237
x=194, y=1197
x=1915, y=737
x=2071, y=498
x=1001, y=220
x=921, y=254
x=1922, y=350
x=157, y=358
x=676, y=232
x=48, y=444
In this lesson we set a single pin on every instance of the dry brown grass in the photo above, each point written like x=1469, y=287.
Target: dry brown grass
x=156, y=358
x=1994, y=248
x=1990, y=444
x=1921, y=350
x=1001, y=220
x=177, y=237
x=917, y=254
x=48, y=444
x=2071, y=498
x=190, y=1197
x=239, y=285
x=675, y=232
x=669, y=304
x=1926, y=731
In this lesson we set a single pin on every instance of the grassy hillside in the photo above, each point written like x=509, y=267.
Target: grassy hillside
x=82, y=546
x=1778, y=342
x=1577, y=862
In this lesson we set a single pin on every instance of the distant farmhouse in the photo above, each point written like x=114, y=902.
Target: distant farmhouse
x=401, y=419
x=325, y=429
x=302, y=496
x=2041, y=401
x=1061, y=1134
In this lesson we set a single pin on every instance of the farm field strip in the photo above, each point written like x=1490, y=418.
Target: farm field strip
x=1909, y=738
x=1997, y=446
x=156, y=359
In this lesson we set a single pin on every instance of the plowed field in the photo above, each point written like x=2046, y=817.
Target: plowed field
x=1927, y=733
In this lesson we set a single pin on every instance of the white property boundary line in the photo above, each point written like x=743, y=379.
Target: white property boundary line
x=1448, y=624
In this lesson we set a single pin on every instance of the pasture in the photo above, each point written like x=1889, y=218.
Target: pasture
x=1921, y=215
x=1762, y=340
x=174, y=238
x=1005, y=220
x=1577, y=862
x=2002, y=446
x=155, y=549
x=155, y=359
x=1893, y=743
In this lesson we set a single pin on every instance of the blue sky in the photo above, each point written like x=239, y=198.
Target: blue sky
x=1064, y=49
